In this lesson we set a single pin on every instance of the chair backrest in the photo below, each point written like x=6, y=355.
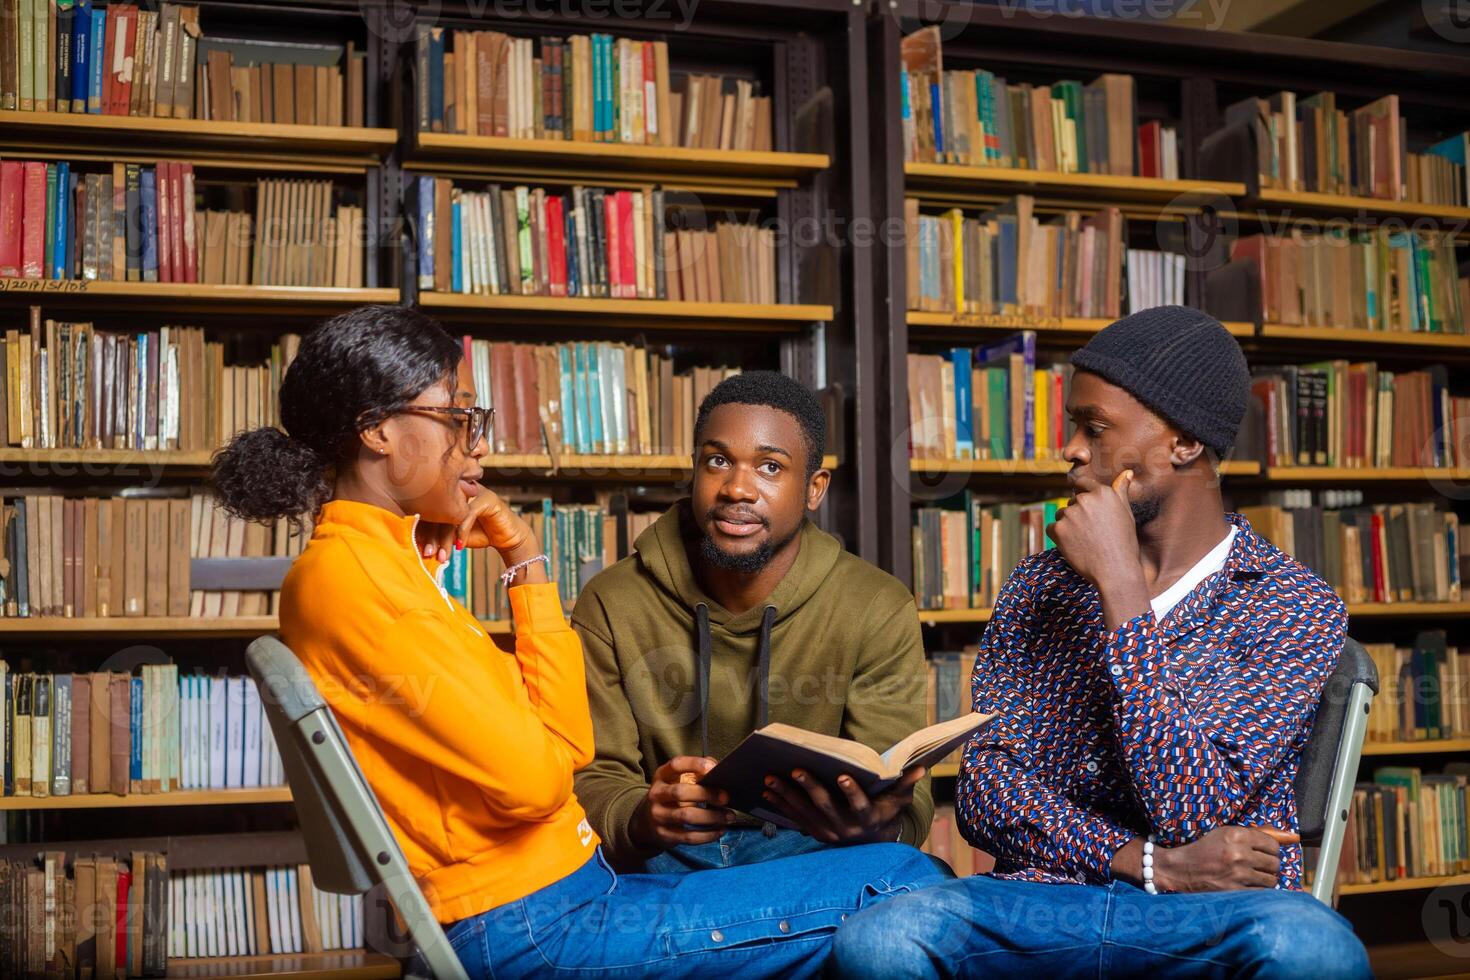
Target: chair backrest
x=1329, y=763
x=348, y=841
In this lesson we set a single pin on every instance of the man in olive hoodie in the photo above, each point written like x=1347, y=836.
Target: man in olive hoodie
x=736, y=611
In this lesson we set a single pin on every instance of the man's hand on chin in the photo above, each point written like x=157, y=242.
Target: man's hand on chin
x=1097, y=535
x=1225, y=859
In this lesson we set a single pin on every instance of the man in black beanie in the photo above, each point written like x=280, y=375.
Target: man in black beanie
x=1155, y=678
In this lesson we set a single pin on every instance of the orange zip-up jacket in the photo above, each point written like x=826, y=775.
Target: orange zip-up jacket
x=469, y=749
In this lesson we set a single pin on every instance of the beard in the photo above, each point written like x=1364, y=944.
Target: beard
x=746, y=564
x=1144, y=510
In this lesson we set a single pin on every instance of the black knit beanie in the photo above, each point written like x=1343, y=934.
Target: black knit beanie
x=1179, y=362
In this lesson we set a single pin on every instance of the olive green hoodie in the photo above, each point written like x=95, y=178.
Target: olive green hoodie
x=838, y=641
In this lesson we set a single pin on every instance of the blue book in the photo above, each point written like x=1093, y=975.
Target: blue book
x=601, y=101
x=938, y=114
x=584, y=421
x=964, y=438
x=906, y=111
x=436, y=78
x=457, y=575
x=135, y=714
x=456, y=277
x=141, y=394
x=426, y=232
x=94, y=68
x=148, y=194
x=81, y=41
x=61, y=219
x=594, y=399
x=567, y=375
x=1005, y=259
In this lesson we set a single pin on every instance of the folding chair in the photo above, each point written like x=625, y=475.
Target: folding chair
x=348, y=841
x=1329, y=766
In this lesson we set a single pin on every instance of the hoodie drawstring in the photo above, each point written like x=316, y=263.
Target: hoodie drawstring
x=706, y=656
x=702, y=672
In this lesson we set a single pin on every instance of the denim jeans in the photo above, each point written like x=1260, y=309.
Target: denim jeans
x=768, y=920
x=984, y=926
x=737, y=846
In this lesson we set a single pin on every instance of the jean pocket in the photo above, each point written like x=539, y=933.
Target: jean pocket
x=757, y=930
x=463, y=932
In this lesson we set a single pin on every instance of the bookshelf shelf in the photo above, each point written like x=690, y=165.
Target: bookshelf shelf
x=1346, y=205
x=1414, y=748
x=1389, y=610
x=574, y=466
x=1404, y=884
x=1348, y=474
x=759, y=317
x=109, y=801
x=176, y=137
x=1042, y=325
x=930, y=617
x=1381, y=338
x=159, y=626
x=102, y=458
x=1041, y=467
x=1181, y=194
x=356, y=964
x=187, y=297
x=764, y=168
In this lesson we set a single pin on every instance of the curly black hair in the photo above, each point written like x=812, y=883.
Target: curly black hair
x=350, y=373
x=773, y=390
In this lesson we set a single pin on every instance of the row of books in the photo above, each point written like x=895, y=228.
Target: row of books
x=590, y=398
x=1337, y=413
x=129, y=556
x=1007, y=261
x=128, y=60
x=949, y=689
x=990, y=402
x=1400, y=552
x=590, y=242
x=1370, y=280
x=98, y=915
x=1420, y=690
x=584, y=87
x=1155, y=279
x=1407, y=824
x=153, y=732
x=948, y=844
x=1309, y=144
x=962, y=553
x=142, y=224
x=70, y=386
x=977, y=118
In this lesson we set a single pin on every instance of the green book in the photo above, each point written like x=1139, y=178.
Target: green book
x=997, y=382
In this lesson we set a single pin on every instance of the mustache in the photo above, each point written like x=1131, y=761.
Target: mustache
x=715, y=514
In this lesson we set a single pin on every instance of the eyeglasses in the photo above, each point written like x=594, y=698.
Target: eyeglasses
x=476, y=420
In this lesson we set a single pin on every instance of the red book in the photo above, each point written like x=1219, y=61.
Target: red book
x=503, y=396
x=650, y=97
x=614, y=266
x=12, y=177
x=176, y=216
x=556, y=246
x=527, y=399
x=124, y=883
x=109, y=45
x=186, y=217
x=33, y=221
x=629, y=257
x=163, y=177
x=129, y=44
x=1377, y=531
x=1148, y=149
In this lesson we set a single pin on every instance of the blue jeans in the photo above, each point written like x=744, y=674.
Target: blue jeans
x=773, y=919
x=985, y=926
x=737, y=846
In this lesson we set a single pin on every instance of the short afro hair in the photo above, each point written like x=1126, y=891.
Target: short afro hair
x=773, y=390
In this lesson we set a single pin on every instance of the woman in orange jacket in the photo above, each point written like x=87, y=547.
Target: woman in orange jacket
x=471, y=750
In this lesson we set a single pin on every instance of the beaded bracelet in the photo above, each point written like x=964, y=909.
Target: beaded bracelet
x=1148, y=866
x=509, y=574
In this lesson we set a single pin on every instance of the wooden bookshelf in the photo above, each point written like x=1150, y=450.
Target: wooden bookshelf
x=1427, y=746
x=682, y=314
x=1072, y=325
x=352, y=964
x=109, y=801
x=594, y=466
x=1424, y=882
x=1389, y=610
x=750, y=169
x=1351, y=474
x=160, y=626
x=1380, y=338
x=105, y=458
x=1042, y=467
x=176, y=137
x=188, y=297
x=1275, y=199
x=934, y=617
x=1183, y=194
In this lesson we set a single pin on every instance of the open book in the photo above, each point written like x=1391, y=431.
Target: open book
x=777, y=749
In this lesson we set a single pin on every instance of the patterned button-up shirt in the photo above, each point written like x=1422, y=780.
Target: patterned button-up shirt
x=1174, y=728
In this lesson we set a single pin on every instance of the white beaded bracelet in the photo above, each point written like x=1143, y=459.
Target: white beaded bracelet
x=1148, y=866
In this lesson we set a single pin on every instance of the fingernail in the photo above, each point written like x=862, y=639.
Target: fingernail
x=443, y=555
x=458, y=545
x=845, y=781
x=771, y=782
x=798, y=775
